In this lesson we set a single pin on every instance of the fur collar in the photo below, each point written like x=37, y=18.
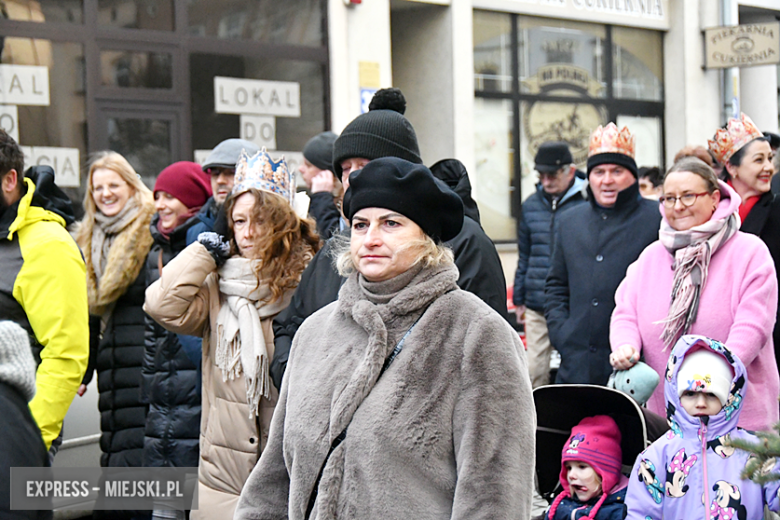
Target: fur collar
x=125, y=260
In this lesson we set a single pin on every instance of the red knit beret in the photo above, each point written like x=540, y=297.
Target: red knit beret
x=186, y=181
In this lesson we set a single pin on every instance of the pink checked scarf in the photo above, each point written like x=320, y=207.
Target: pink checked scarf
x=692, y=250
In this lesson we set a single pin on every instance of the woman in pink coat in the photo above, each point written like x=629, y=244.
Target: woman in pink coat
x=703, y=276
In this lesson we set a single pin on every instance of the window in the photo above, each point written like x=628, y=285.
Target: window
x=156, y=15
x=52, y=130
x=67, y=11
x=210, y=128
x=291, y=22
x=542, y=79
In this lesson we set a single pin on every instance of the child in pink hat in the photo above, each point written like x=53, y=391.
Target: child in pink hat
x=593, y=486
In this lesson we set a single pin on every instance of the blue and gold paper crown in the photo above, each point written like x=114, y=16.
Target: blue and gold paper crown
x=261, y=172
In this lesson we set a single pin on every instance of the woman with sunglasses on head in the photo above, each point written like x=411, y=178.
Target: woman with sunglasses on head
x=703, y=276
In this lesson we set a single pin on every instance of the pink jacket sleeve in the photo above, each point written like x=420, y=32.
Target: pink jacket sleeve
x=623, y=326
x=756, y=311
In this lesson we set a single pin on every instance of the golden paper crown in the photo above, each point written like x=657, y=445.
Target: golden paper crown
x=607, y=139
x=261, y=172
x=729, y=140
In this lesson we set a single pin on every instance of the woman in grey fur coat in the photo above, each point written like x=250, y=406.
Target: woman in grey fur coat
x=407, y=397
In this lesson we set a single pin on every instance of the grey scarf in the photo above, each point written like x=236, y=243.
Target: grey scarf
x=383, y=310
x=105, y=231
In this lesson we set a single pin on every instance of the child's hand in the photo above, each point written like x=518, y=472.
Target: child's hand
x=624, y=357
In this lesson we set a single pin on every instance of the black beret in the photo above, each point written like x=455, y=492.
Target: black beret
x=411, y=190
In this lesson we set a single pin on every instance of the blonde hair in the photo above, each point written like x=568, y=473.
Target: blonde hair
x=429, y=253
x=118, y=164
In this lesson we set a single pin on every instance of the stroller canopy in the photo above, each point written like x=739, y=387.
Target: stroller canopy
x=561, y=407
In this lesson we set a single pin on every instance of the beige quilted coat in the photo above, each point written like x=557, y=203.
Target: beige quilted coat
x=186, y=300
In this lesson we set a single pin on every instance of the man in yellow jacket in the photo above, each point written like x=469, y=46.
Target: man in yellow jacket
x=43, y=283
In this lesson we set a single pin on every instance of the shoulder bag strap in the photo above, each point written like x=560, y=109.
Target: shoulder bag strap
x=341, y=436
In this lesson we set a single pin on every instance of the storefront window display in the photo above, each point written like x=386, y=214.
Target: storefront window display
x=291, y=133
x=570, y=77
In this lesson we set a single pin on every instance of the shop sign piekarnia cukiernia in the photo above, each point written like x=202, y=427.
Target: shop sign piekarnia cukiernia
x=746, y=45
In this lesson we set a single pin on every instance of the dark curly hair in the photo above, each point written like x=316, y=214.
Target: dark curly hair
x=285, y=246
x=11, y=157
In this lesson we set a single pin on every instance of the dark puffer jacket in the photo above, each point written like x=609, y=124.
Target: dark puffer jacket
x=170, y=379
x=764, y=221
x=22, y=447
x=534, y=238
x=324, y=211
x=118, y=359
x=592, y=249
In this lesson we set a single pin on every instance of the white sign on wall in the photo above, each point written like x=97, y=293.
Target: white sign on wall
x=260, y=130
x=258, y=97
x=24, y=85
x=9, y=120
x=64, y=161
x=746, y=45
x=652, y=14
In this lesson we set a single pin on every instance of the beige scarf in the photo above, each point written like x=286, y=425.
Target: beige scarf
x=241, y=344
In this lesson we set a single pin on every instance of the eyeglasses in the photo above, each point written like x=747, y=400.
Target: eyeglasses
x=216, y=172
x=687, y=200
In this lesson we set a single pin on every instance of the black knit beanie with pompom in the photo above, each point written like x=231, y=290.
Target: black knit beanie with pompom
x=381, y=132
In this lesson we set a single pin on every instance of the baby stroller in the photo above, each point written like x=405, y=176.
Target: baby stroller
x=560, y=407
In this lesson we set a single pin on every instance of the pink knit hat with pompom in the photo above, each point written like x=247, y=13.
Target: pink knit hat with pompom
x=595, y=441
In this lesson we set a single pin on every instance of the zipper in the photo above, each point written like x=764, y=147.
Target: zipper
x=703, y=435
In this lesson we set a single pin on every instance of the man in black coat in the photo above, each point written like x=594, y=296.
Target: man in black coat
x=22, y=442
x=385, y=132
x=558, y=191
x=593, y=246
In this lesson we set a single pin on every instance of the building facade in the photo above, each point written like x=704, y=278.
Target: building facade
x=487, y=81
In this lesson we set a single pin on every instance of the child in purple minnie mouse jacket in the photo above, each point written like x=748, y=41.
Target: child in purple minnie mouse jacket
x=593, y=486
x=690, y=472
